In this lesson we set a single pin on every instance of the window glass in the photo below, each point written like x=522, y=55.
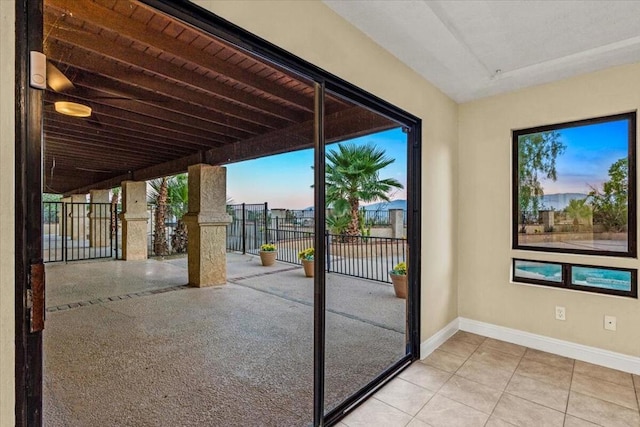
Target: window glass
x=574, y=187
x=538, y=271
x=605, y=278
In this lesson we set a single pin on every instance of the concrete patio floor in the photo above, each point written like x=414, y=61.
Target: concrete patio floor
x=127, y=344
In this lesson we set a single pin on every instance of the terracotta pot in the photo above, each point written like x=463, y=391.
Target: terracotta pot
x=268, y=257
x=308, y=267
x=399, y=284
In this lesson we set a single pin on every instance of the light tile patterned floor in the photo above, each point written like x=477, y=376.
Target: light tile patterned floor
x=476, y=381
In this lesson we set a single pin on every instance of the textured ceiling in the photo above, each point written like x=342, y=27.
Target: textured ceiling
x=474, y=49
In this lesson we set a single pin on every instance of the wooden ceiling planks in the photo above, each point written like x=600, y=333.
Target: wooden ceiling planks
x=165, y=95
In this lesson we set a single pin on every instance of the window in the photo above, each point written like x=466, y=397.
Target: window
x=606, y=280
x=574, y=187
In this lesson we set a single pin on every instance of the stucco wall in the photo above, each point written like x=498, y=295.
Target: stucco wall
x=484, y=216
x=312, y=31
x=7, y=67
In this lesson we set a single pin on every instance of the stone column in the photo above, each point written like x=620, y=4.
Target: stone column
x=99, y=219
x=134, y=220
x=207, y=222
x=548, y=220
x=77, y=212
x=396, y=218
x=64, y=221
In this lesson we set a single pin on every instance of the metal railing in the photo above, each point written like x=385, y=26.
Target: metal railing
x=247, y=230
x=358, y=256
x=79, y=231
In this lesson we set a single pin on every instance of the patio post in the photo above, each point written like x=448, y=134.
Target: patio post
x=99, y=218
x=134, y=220
x=396, y=219
x=207, y=222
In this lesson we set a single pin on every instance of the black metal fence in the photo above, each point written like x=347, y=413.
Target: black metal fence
x=79, y=231
x=365, y=257
x=248, y=228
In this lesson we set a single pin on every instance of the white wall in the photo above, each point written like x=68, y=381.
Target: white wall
x=484, y=216
x=7, y=351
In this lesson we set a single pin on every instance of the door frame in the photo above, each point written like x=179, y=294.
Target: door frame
x=29, y=134
x=28, y=211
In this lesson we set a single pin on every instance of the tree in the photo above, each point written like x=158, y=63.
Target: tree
x=178, y=206
x=352, y=176
x=170, y=197
x=578, y=210
x=115, y=197
x=537, y=153
x=610, y=206
x=157, y=196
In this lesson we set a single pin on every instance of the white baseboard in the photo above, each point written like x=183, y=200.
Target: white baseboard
x=439, y=338
x=594, y=355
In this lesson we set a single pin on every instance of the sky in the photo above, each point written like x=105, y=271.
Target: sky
x=284, y=180
x=590, y=151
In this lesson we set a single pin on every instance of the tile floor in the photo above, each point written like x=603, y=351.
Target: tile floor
x=476, y=381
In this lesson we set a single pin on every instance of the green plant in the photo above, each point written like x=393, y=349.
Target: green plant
x=400, y=269
x=268, y=247
x=306, y=254
x=352, y=176
x=610, y=206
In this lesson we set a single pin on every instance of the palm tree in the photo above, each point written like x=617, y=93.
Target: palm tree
x=115, y=198
x=578, y=210
x=157, y=196
x=352, y=176
x=178, y=206
x=169, y=196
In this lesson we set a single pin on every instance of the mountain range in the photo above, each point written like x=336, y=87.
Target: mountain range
x=560, y=201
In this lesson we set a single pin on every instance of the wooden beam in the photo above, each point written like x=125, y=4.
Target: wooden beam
x=162, y=137
x=137, y=31
x=340, y=126
x=237, y=102
x=132, y=118
x=172, y=167
x=343, y=125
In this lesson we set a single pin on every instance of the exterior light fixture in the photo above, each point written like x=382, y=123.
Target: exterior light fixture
x=72, y=109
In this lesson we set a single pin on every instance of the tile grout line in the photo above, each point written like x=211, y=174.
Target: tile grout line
x=505, y=388
x=566, y=407
x=636, y=388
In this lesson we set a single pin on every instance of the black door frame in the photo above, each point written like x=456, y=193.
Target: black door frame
x=29, y=128
x=28, y=211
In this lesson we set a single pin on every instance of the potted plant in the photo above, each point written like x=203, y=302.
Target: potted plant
x=306, y=256
x=399, y=279
x=268, y=253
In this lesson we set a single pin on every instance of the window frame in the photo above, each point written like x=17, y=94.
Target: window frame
x=566, y=282
x=631, y=251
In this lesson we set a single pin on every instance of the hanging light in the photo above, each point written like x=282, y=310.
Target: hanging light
x=72, y=109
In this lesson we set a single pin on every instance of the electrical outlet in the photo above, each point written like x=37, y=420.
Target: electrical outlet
x=610, y=323
x=560, y=313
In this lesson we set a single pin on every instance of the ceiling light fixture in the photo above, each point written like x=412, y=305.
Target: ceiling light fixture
x=72, y=109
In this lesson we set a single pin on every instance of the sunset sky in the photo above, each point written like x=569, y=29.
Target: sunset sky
x=590, y=151
x=284, y=180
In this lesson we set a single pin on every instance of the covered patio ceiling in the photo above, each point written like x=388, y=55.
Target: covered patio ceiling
x=165, y=95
